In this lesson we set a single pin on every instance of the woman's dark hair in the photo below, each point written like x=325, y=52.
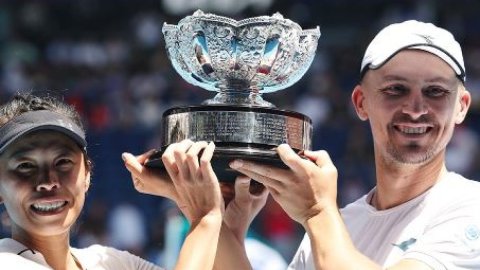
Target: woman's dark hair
x=26, y=102
x=22, y=103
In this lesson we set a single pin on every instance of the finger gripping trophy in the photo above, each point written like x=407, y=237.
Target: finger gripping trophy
x=240, y=60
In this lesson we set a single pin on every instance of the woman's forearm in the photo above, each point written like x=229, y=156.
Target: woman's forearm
x=200, y=246
x=231, y=253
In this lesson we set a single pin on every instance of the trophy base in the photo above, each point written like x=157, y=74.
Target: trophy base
x=224, y=155
x=239, y=132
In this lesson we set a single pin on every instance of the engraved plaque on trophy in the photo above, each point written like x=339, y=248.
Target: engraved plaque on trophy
x=239, y=60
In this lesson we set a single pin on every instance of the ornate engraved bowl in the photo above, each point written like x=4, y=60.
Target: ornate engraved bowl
x=240, y=59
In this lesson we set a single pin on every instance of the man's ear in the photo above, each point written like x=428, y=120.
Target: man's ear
x=358, y=102
x=465, y=101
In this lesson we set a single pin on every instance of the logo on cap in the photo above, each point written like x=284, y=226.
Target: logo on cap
x=428, y=39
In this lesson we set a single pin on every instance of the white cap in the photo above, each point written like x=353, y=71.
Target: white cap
x=413, y=35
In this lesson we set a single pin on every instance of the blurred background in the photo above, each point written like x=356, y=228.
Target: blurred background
x=108, y=59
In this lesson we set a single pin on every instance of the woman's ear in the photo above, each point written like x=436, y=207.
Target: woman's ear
x=87, y=181
x=358, y=99
x=465, y=101
x=88, y=168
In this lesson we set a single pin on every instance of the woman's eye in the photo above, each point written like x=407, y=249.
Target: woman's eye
x=25, y=167
x=64, y=163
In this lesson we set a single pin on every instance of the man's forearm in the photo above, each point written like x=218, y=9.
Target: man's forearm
x=332, y=247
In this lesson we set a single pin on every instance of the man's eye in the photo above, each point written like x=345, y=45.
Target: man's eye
x=394, y=90
x=436, y=92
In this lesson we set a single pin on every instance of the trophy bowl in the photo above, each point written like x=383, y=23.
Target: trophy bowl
x=239, y=60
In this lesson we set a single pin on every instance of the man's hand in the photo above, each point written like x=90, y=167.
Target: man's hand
x=244, y=206
x=305, y=189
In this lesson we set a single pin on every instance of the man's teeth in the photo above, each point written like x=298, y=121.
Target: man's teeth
x=48, y=206
x=413, y=130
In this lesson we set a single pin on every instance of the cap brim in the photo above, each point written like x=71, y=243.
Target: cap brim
x=29, y=122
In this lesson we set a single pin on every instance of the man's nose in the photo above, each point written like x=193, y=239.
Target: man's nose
x=415, y=106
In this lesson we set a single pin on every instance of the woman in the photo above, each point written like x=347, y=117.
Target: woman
x=45, y=174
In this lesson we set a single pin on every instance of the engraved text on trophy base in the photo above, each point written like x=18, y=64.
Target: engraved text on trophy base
x=237, y=127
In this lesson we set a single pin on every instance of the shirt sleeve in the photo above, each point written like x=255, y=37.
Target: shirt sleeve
x=14, y=261
x=452, y=241
x=102, y=257
x=299, y=261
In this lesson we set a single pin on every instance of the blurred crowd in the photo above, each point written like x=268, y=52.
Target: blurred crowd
x=108, y=59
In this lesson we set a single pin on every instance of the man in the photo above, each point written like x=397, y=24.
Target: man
x=419, y=215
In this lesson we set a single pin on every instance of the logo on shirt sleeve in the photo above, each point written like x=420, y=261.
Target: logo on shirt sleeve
x=405, y=244
x=471, y=236
x=472, y=232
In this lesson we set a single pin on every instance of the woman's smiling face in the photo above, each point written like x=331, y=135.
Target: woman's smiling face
x=43, y=181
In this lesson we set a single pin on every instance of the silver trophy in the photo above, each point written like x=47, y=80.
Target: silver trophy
x=240, y=60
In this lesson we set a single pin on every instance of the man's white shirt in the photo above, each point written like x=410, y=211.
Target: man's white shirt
x=441, y=228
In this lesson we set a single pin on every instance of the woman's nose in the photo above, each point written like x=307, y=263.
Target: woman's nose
x=48, y=181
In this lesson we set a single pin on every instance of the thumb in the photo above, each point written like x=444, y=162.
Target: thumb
x=145, y=156
x=132, y=164
x=289, y=157
x=321, y=157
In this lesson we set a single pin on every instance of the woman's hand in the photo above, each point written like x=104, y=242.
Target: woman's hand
x=305, y=189
x=149, y=180
x=196, y=185
x=199, y=198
